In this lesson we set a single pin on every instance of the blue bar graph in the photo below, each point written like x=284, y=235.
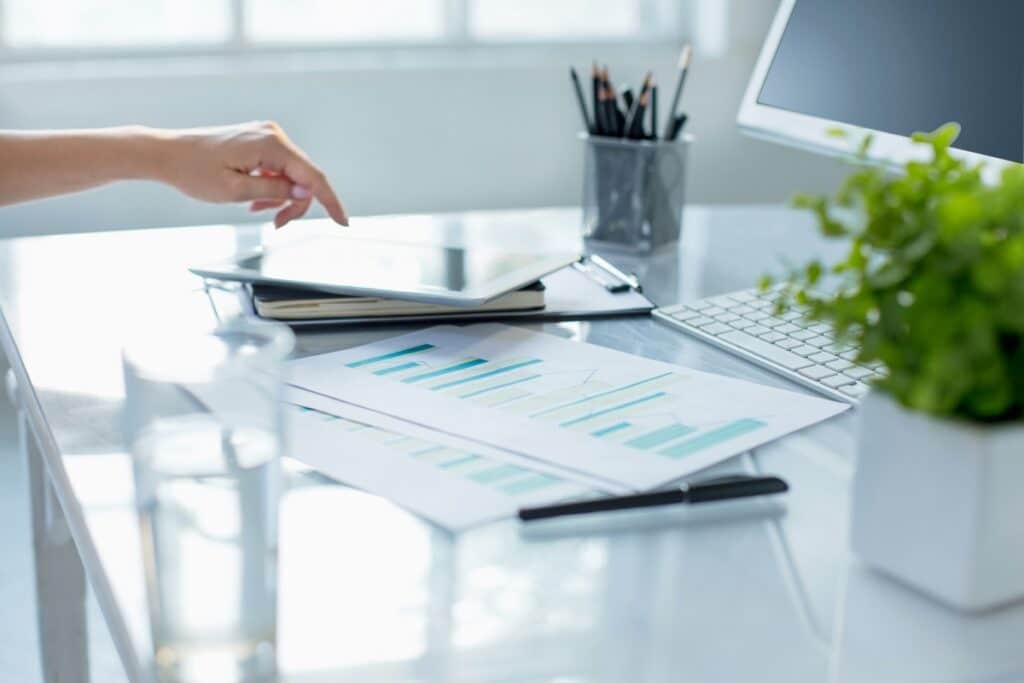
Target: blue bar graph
x=599, y=395
x=660, y=436
x=712, y=438
x=499, y=386
x=496, y=474
x=484, y=375
x=389, y=356
x=611, y=429
x=395, y=368
x=621, y=406
x=464, y=365
x=529, y=484
x=460, y=461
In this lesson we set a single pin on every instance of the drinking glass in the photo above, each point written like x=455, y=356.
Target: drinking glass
x=203, y=422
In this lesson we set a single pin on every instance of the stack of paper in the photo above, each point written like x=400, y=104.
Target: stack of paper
x=525, y=407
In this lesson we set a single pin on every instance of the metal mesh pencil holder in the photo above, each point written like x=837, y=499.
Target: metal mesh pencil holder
x=633, y=192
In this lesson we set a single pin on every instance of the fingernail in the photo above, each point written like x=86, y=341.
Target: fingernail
x=301, y=192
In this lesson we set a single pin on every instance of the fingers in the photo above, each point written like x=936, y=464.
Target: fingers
x=284, y=157
x=296, y=209
x=261, y=187
x=264, y=204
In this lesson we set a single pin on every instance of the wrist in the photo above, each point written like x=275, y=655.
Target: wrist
x=146, y=152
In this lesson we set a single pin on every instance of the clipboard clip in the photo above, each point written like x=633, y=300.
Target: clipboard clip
x=623, y=282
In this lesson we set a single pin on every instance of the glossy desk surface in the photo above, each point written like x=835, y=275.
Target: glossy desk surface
x=370, y=592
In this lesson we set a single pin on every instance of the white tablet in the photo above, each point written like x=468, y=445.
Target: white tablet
x=457, y=276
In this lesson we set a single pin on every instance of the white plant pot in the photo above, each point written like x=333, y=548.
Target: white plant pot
x=938, y=504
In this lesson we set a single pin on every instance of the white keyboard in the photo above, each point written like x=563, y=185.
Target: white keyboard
x=744, y=323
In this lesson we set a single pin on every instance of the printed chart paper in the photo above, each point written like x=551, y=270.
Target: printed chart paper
x=454, y=487
x=624, y=420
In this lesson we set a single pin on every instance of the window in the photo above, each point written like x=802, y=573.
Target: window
x=39, y=27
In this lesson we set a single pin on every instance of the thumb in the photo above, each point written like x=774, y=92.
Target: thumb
x=251, y=188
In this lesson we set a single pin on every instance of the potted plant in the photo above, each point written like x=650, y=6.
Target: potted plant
x=932, y=287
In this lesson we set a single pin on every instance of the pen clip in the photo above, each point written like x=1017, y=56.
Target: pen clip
x=631, y=281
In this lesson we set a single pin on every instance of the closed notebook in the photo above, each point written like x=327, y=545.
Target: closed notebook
x=285, y=303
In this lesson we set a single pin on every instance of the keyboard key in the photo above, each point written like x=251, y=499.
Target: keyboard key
x=857, y=372
x=823, y=357
x=855, y=390
x=788, y=343
x=806, y=350
x=840, y=365
x=819, y=341
x=700, y=305
x=765, y=350
x=717, y=328
x=727, y=318
x=743, y=297
x=757, y=315
x=837, y=381
x=817, y=372
x=724, y=301
x=787, y=328
x=773, y=337
x=849, y=355
x=772, y=322
x=803, y=334
x=741, y=324
x=713, y=311
x=820, y=328
x=758, y=330
x=701, y=321
x=875, y=365
x=791, y=316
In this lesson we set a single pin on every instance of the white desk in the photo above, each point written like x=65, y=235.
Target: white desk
x=370, y=592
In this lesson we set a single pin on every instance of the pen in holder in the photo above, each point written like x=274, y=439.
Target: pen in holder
x=633, y=191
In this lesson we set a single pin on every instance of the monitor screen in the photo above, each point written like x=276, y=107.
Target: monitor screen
x=901, y=66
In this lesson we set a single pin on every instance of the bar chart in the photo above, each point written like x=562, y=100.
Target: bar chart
x=636, y=414
x=621, y=419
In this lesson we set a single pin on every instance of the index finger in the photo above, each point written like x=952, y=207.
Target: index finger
x=300, y=170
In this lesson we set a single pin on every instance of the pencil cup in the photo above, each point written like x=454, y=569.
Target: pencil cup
x=633, y=192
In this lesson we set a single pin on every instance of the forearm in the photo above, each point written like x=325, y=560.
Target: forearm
x=36, y=164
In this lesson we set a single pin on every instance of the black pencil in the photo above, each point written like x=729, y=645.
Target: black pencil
x=620, y=118
x=654, y=112
x=677, y=127
x=595, y=85
x=635, y=118
x=627, y=98
x=579, y=98
x=684, y=68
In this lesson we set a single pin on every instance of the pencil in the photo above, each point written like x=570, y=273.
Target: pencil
x=579, y=98
x=677, y=127
x=684, y=68
x=627, y=98
x=620, y=118
x=595, y=89
x=654, y=112
x=635, y=118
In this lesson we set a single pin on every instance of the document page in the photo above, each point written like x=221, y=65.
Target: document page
x=621, y=420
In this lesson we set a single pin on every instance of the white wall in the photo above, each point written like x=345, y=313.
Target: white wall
x=466, y=130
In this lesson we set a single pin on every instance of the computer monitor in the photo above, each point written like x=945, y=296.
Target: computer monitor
x=892, y=67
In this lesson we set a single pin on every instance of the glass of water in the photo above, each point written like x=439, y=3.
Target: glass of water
x=203, y=421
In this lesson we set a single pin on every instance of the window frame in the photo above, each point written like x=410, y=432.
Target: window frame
x=454, y=37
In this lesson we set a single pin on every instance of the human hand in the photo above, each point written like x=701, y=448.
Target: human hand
x=249, y=162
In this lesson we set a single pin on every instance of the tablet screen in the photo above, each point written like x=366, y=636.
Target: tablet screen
x=340, y=263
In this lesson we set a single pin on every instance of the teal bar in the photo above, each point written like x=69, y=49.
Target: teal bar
x=599, y=395
x=460, y=461
x=713, y=438
x=499, y=386
x=389, y=356
x=610, y=430
x=432, y=449
x=660, y=436
x=621, y=406
x=484, y=375
x=496, y=474
x=529, y=484
x=464, y=365
x=395, y=368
